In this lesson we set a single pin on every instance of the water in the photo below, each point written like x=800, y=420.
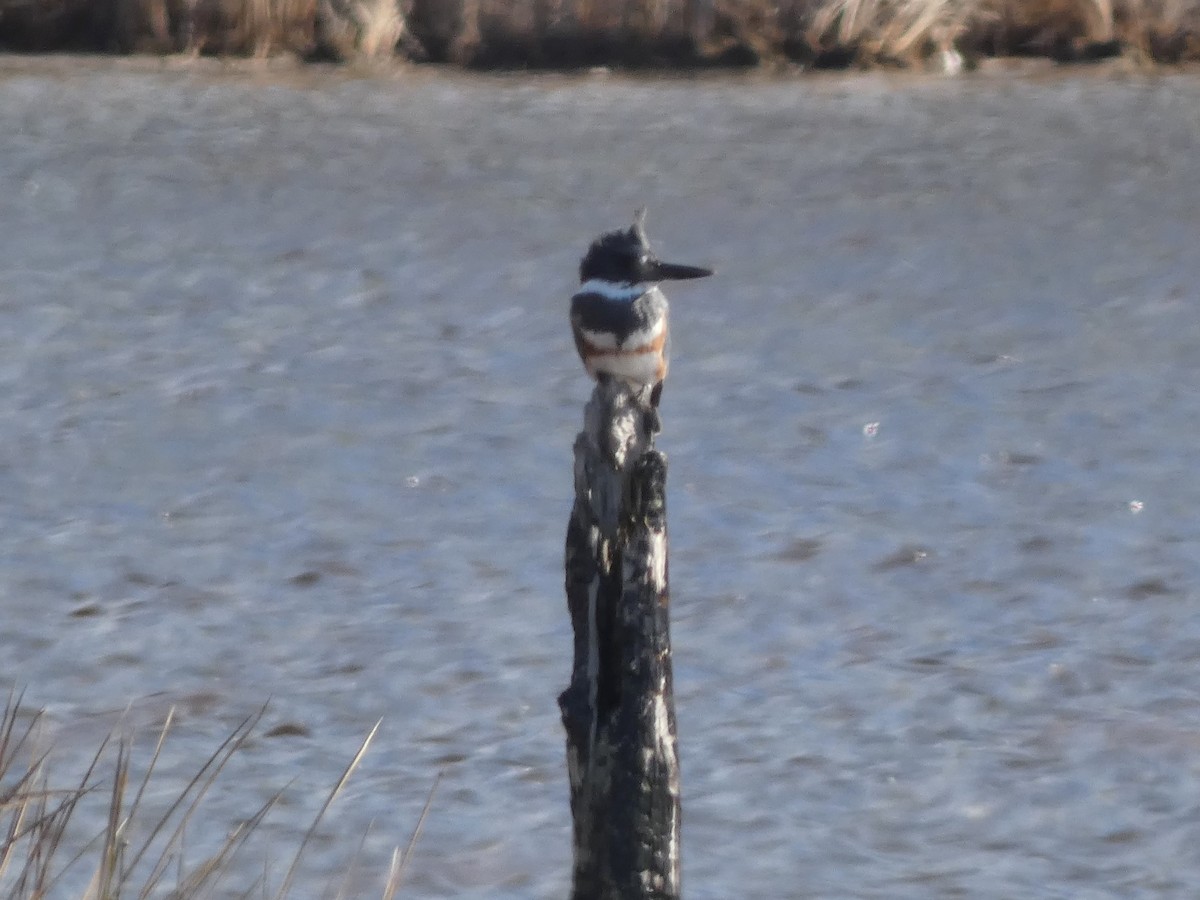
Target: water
x=288, y=401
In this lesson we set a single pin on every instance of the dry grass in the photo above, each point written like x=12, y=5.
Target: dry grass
x=887, y=31
x=578, y=33
x=306, y=28
x=359, y=29
x=137, y=853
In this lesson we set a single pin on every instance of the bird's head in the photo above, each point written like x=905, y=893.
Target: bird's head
x=624, y=258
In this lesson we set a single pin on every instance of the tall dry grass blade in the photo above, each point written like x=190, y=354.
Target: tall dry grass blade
x=41, y=796
x=107, y=872
x=10, y=844
x=154, y=757
x=8, y=726
x=255, y=885
x=855, y=23
x=16, y=820
x=17, y=797
x=843, y=14
x=259, y=18
x=180, y=870
x=312, y=829
x=259, y=884
x=217, y=864
x=47, y=828
x=42, y=824
x=264, y=880
x=380, y=27
x=1102, y=20
x=200, y=783
x=137, y=799
x=352, y=867
x=49, y=836
x=904, y=37
x=18, y=791
x=400, y=864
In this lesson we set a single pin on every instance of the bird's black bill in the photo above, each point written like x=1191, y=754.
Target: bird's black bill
x=661, y=271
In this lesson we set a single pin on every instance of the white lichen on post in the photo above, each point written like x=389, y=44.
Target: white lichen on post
x=619, y=710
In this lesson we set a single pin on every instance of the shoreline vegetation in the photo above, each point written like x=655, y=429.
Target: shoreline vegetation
x=142, y=849
x=945, y=35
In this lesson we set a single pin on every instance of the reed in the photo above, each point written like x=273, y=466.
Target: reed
x=358, y=29
x=690, y=33
x=138, y=853
x=640, y=33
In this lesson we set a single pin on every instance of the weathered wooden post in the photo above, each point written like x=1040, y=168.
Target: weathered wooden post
x=619, y=709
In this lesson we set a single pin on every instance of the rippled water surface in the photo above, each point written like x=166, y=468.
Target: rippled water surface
x=287, y=407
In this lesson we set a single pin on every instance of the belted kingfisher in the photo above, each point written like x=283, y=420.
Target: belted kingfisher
x=618, y=315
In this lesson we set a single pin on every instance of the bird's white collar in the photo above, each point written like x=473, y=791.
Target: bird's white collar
x=611, y=291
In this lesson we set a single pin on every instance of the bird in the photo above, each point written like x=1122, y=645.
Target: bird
x=619, y=317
